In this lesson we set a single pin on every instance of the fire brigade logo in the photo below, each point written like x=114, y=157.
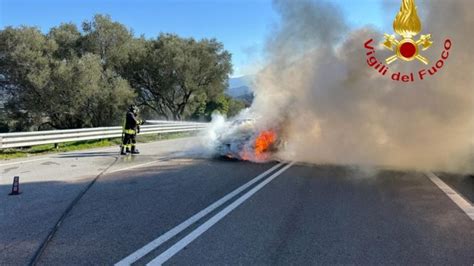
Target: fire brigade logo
x=407, y=24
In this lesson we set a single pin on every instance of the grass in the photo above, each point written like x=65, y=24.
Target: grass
x=8, y=154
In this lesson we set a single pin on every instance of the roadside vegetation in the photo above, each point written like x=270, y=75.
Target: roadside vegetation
x=7, y=154
x=85, y=76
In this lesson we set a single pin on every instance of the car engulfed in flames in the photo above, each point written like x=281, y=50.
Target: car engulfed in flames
x=244, y=140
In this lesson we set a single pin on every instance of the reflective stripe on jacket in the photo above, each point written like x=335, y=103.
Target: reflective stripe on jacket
x=131, y=124
x=129, y=131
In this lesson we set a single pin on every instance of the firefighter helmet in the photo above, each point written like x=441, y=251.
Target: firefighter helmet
x=133, y=108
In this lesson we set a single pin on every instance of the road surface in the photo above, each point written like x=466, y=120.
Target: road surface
x=174, y=205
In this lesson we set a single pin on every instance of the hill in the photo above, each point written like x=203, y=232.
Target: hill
x=240, y=86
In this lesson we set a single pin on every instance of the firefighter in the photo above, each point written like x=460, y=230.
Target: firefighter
x=131, y=128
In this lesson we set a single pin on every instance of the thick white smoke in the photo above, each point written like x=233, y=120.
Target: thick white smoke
x=335, y=109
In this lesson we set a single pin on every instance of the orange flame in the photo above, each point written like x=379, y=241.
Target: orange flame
x=263, y=142
x=258, y=152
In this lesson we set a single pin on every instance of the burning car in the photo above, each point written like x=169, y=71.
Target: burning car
x=243, y=139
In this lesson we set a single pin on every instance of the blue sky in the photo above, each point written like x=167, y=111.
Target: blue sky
x=242, y=25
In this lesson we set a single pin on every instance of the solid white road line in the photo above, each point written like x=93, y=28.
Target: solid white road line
x=179, y=228
x=163, y=257
x=133, y=167
x=453, y=195
x=57, y=154
x=54, y=156
x=21, y=162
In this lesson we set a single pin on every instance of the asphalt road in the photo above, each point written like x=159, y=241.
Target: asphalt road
x=174, y=205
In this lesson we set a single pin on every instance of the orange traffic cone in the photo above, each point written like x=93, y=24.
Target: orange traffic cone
x=16, y=186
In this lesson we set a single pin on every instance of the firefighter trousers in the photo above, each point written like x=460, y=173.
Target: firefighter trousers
x=129, y=141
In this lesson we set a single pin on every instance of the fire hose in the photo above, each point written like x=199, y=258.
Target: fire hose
x=39, y=252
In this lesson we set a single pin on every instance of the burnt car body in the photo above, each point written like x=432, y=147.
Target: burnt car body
x=242, y=139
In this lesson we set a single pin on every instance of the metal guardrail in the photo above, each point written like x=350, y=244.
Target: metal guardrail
x=26, y=139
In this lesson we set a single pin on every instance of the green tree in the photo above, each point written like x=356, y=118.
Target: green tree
x=174, y=76
x=70, y=78
x=25, y=69
x=235, y=106
x=219, y=104
x=68, y=38
x=108, y=39
x=4, y=127
x=83, y=95
x=223, y=104
x=47, y=92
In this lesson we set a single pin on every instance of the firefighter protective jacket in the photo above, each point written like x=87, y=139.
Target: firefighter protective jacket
x=132, y=124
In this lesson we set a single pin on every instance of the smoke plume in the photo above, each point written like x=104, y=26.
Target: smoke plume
x=335, y=109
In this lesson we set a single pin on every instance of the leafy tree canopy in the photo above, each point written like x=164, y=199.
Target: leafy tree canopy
x=72, y=78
